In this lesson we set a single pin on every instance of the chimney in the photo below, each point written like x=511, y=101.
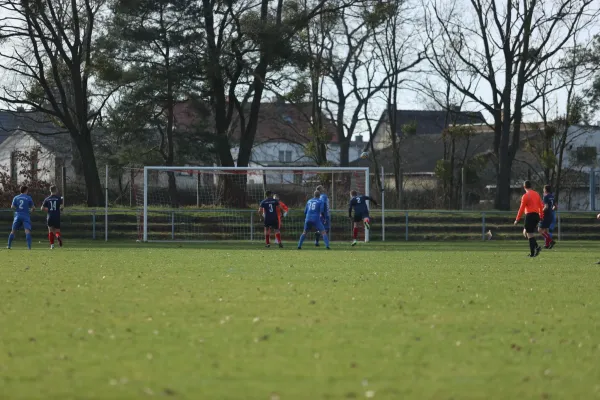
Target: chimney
x=20, y=109
x=455, y=107
x=358, y=139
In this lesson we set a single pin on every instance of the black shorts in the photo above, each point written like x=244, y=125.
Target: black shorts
x=53, y=222
x=546, y=223
x=359, y=217
x=272, y=223
x=531, y=222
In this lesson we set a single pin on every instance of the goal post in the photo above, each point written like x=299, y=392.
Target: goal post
x=189, y=203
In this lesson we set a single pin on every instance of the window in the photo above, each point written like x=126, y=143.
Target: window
x=285, y=156
x=586, y=155
x=298, y=177
x=13, y=167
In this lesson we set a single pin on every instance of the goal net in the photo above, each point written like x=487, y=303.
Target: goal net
x=221, y=203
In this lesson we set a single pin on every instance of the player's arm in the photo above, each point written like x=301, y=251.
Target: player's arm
x=371, y=199
x=44, y=206
x=284, y=208
x=521, y=210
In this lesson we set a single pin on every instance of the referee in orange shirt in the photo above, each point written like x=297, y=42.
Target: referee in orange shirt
x=532, y=206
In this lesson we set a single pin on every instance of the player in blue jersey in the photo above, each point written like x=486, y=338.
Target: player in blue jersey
x=53, y=205
x=269, y=210
x=23, y=206
x=361, y=212
x=314, y=219
x=326, y=214
x=548, y=219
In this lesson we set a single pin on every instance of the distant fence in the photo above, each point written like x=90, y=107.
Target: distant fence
x=393, y=226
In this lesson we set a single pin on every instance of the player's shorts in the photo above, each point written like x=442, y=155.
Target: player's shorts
x=272, y=223
x=21, y=222
x=318, y=225
x=547, y=221
x=53, y=222
x=531, y=222
x=359, y=217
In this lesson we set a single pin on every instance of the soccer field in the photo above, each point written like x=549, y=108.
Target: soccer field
x=237, y=321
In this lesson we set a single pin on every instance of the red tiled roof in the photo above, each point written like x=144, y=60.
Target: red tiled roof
x=276, y=122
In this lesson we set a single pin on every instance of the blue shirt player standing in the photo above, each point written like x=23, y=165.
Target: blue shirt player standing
x=548, y=220
x=268, y=209
x=361, y=212
x=23, y=206
x=326, y=214
x=53, y=205
x=313, y=214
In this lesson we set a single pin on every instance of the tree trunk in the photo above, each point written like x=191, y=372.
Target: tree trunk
x=502, y=200
x=344, y=151
x=94, y=192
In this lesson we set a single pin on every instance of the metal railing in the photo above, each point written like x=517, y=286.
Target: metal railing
x=395, y=225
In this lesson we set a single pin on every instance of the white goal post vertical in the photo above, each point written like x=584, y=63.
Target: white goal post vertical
x=210, y=215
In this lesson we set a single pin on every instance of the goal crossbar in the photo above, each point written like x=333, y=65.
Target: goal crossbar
x=216, y=169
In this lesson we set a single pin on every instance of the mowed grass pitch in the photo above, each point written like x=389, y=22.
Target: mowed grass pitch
x=237, y=321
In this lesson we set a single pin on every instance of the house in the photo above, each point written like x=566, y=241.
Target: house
x=283, y=137
x=424, y=122
x=26, y=132
x=582, y=148
x=419, y=155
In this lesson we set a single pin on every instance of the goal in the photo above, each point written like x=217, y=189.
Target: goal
x=221, y=203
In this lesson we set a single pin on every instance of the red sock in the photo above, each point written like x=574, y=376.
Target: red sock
x=547, y=238
x=267, y=238
x=355, y=233
x=51, y=237
x=278, y=236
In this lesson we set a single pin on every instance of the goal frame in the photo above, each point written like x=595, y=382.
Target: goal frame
x=147, y=169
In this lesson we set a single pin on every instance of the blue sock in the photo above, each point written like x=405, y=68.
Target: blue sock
x=28, y=237
x=11, y=237
x=326, y=240
x=302, y=237
x=317, y=237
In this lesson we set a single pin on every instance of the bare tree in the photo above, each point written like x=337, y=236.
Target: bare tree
x=48, y=61
x=397, y=52
x=353, y=73
x=556, y=132
x=507, y=46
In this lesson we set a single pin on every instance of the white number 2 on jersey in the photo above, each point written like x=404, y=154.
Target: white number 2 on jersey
x=20, y=204
x=358, y=200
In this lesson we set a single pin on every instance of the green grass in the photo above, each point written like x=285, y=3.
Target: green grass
x=236, y=321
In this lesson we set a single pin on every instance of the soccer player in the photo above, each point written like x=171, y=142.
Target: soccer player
x=548, y=219
x=268, y=209
x=361, y=212
x=23, y=206
x=53, y=205
x=313, y=218
x=285, y=209
x=326, y=215
x=532, y=207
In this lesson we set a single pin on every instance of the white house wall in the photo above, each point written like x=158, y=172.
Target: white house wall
x=581, y=136
x=26, y=143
